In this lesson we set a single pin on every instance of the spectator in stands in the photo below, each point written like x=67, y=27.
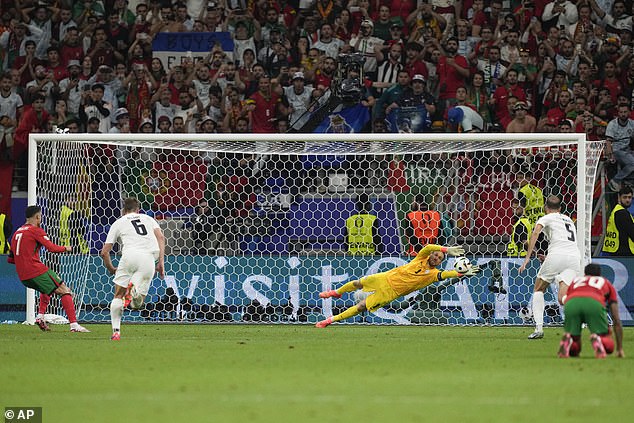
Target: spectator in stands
x=619, y=233
x=11, y=107
x=415, y=96
x=122, y=121
x=71, y=87
x=299, y=99
x=619, y=134
x=522, y=121
x=464, y=119
x=267, y=105
x=369, y=46
x=362, y=231
x=499, y=99
x=423, y=226
x=93, y=105
x=452, y=71
x=389, y=69
x=328, y=44
x=493, y=70
x=42, y=84
x=391, y=95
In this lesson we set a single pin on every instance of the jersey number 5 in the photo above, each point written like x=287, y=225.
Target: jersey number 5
x=571, y=231
x=139, y=227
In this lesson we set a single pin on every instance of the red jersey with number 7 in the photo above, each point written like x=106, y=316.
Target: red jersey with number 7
x=25, y=251
x=595, y=287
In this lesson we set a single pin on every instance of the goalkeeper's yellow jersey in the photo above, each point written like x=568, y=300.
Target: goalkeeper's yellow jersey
x=418, y=273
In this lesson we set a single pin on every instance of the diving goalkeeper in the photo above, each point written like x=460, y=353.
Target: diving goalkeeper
x=385, y=287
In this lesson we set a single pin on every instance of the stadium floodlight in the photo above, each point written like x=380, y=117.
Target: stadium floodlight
x=276, y=235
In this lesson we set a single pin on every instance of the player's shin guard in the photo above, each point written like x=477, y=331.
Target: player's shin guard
x=69, y=308
x=349, y=287
x=43, y=305
x=352, y=311
x=116, y=311
x=538, y=310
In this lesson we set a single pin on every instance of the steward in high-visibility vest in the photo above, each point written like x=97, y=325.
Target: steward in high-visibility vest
x=361, y=234
x=520, y=235
x=619, y=234
x=424, y=228
x=531, y=198
x=69, y=233
x=5, y=233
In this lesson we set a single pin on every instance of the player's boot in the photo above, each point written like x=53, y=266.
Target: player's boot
x=536, y=335
x=597, y=346
x=137, y=300
x=328, y=294
x=116, y=336
x=564, y=346
x=41, y=323
x=79, y=328
x=127, y=298
x=324, y=323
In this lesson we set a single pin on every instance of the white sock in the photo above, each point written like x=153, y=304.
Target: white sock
x=538, y=310
x=116, y=311
x=39, y=316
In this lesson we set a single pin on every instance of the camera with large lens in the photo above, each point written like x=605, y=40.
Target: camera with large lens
x=349, y=89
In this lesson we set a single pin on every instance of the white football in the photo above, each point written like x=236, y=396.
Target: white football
x=462, y=264
x=360, y=295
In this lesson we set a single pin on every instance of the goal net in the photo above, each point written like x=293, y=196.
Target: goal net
x=257, y=226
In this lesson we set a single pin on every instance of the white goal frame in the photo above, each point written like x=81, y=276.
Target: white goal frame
x=355, y=144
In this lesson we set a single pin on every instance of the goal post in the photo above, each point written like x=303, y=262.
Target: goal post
x=277, y=228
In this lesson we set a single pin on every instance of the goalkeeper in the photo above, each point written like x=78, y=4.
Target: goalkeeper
x=385, y=287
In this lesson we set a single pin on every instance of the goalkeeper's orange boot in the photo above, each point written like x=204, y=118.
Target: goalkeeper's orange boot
x=116, y=336
x=597, y=346
x=324, y=323
x=127, y=298
x=42, y=325
x=329, y=294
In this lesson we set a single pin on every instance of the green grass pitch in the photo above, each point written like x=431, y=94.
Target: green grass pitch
x=297, y=373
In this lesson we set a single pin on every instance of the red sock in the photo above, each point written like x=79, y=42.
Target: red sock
x=608, y=343
x=69, y=307
x=44, y=300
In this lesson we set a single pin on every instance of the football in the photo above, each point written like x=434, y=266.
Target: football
x=360, y=295
x=462, y=264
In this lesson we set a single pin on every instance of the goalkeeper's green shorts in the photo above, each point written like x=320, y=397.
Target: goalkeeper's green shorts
x=579, y=310
x=46, y=283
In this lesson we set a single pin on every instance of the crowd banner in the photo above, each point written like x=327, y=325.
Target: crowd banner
x=174, y=48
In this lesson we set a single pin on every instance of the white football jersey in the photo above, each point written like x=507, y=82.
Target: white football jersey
x=135, y=233
x=561, y=233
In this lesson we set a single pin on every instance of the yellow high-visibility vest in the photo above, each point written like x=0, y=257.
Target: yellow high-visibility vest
x=611, y=242
x=534, y=208
x=64, y=231
x=514, y=250
x=4, y=245
x=360, y=237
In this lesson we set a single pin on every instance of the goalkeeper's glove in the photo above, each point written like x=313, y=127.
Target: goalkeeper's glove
x=455, y=251
x=472, y=272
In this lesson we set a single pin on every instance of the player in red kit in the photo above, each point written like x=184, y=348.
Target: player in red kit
x=586, y=301
x=25, y=249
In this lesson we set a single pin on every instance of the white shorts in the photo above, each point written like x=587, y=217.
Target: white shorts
x=139, y=269
x=555, y=264
x=567, y=276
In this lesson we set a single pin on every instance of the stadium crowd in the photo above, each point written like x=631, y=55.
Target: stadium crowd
x=472, y=65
